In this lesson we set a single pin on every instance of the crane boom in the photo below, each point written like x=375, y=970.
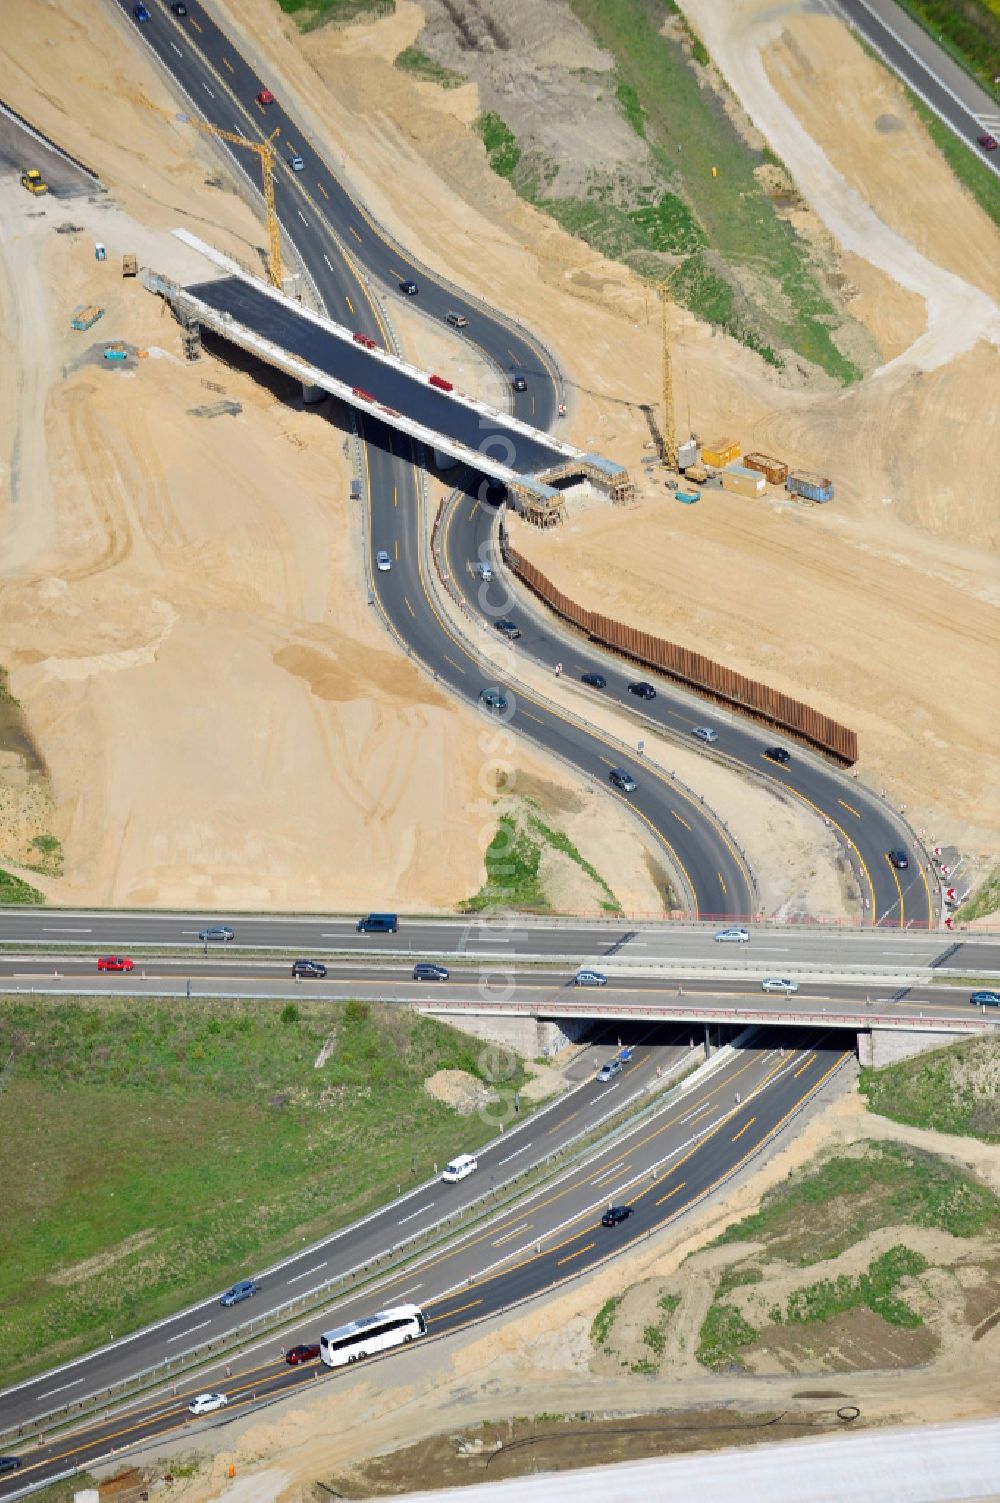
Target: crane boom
x=264, y=151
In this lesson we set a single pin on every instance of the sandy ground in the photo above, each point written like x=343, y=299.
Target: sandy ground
x=540, y=1359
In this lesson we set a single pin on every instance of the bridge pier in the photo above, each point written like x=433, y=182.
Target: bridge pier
x=311, y=394
x=878, y=1047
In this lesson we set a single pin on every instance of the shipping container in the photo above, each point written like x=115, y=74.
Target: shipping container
x=722, y=452
x=775, y=469
x=813, y=487
x=741, y=481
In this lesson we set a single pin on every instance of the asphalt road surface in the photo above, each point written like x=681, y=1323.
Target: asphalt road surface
x=346, y=255
x=661, y=1167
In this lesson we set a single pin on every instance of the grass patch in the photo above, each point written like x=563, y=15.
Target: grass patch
x=969, y=30
x=970, y=171
x=875, y=1289
x=500, y=142
x=986, y=899
x=723, y=1334
x=600, y=1330
x=631, y=107
x=152, y=1152
x=513, y=860
x=951, y=1090
x=412, y=60
x=311, y=13
x=668, y=1304
x=820, y=1214
x=737, y=1278
x=14, y=891
x=46, y=856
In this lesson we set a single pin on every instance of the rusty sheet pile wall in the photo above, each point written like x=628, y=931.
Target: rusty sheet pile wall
x=693, y=668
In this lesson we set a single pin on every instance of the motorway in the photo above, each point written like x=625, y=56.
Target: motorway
x=335, y=238
x=665, y=1163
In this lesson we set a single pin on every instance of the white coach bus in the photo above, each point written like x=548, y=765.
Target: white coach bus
x=371, y=1334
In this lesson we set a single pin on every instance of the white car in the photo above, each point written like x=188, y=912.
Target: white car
x=207, y=1403
x=777, y=984
x=735, y=936
x=705, y=733
x=382, y=563
x=296, y=164
x=609, y=1071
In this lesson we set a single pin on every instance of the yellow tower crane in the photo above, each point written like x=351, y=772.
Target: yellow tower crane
x=264, y=150
x=669, y=455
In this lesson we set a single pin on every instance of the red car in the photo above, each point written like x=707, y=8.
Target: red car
x=114, y=963
x=265, y=97
x=297, y=1354
x=988, y=143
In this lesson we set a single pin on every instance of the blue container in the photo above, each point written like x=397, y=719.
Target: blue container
x=813, y=487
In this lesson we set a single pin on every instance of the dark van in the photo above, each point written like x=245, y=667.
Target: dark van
x=378, y=923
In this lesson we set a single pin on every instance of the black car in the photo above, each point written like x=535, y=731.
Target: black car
x=506, y=627
x=595, y=680
x=615, y=1215
x=308, y=968
x=9, y=1464
x=519, y=383
x=777, y=754
x=644, y=690
x=179, y=10
x=900, y=860
x=424, y=971
x=216, y=932
x=408, y=286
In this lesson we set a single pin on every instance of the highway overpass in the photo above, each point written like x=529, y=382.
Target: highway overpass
x=330, y=358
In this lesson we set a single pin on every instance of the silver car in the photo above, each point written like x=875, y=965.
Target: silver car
x=779, y=984
x=587, y=977
x=705, y=733
x=207, y=1403
x=733, y=936
x=382, y=562
x=612, y=1068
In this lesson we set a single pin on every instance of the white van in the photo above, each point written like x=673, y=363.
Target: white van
x=459, y=1168
x=483, y=571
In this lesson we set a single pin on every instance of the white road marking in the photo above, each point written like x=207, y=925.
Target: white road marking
x=610, y=1173
x=177, y=49
x=328, y=262
x=514, y=1154
x=413, y=1214
x=305, y=1275
x=303, y=218
x=63, y=1389
x=67, y=931
x=412, y=1289
x=207, y=89
x=190, y=1331
x=515, y=1233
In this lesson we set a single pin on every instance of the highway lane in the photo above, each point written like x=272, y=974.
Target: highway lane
x=915, y=56
x=223, y=89
x=662, y=1166
x=867, y=826
x=368, y=1233
x=510, y=938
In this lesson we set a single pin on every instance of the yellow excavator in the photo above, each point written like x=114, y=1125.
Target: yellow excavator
x=32, y=179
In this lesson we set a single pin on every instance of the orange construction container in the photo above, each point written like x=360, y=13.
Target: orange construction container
x=775, y=469
x=722, y=452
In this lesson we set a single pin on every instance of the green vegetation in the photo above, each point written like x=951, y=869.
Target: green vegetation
x=604, y=1320
x=723, y=1332
x=632, y=108
x=967, y=29
x=14, y=891
x=737, y=1278
x=412, y=60
x=951, y=1090
x=49, y=857
x=698, y=49
x=820, y=1214
x=513, y=859
x=875, y=1289
x=152, y=1152
x=500, y=142
x=311, y=13
x=986, y=899
x=962, y=160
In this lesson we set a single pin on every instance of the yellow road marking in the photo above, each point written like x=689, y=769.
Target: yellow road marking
x=849, y=807
x=396, y=548
x=578, y=1254
x=679, y=820
x=536, y=718
x=322, y=190
x=725, y=889
x=447, y=1314
x=355, y=234
x=228, y=65
x=194, y=23
x=563, y=1122
x=409, y=607
x=348, y=302
x=670, y=1192
x=810, y=1061
x=895, y=878
x=453, y=663
x=395, y=496
x=736, y=1136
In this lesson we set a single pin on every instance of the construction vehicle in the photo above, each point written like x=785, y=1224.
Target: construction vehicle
x=262, y=149
x=130, y=265
x=32, y=179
